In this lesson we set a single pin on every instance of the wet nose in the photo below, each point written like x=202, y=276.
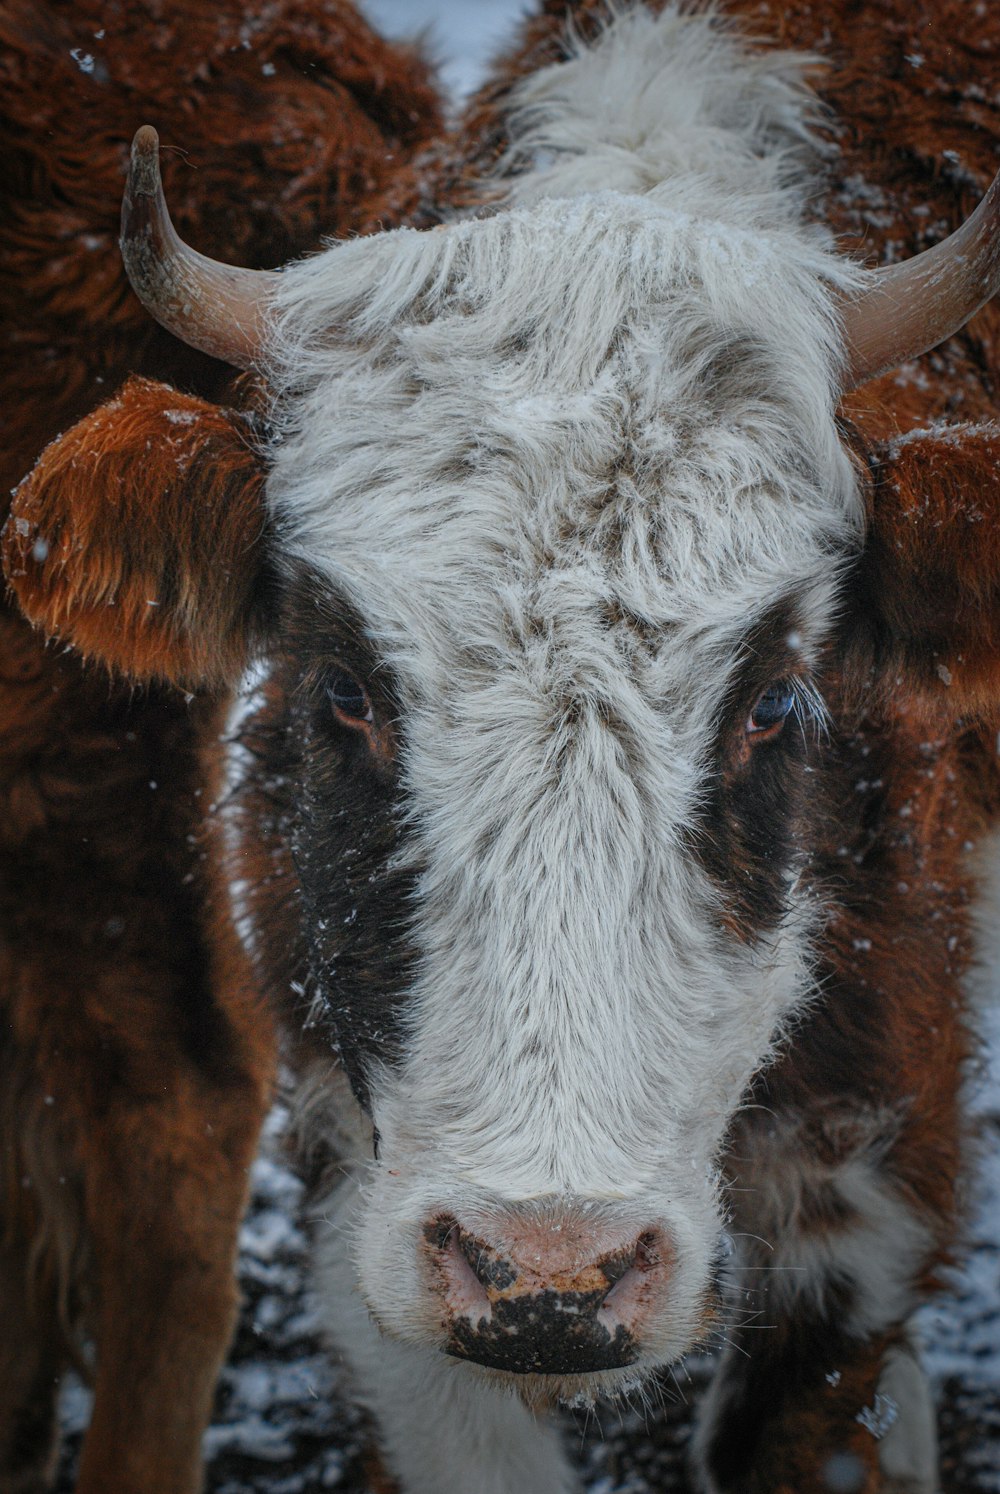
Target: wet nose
x=551, y=1296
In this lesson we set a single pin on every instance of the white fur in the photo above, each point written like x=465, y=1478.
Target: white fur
x=880, y=1254
x=487, y=434
x=238, y=764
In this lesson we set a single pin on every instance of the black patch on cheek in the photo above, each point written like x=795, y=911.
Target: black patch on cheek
x=345, y=838
x=746, y=834
x=355, y=902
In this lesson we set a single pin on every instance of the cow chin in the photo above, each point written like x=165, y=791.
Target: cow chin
x=578, y=1392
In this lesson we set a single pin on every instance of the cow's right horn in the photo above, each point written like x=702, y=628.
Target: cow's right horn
x=218, y=308
x=911, y=307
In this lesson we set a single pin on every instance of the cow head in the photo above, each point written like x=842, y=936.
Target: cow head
x=549, y=548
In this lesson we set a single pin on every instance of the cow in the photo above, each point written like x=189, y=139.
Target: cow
x=603, y=605
x=132, y=1087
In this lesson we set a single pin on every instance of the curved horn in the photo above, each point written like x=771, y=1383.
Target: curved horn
x=217, y=308
x=911, y=307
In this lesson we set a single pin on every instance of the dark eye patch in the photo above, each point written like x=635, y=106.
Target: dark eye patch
x=747, y=832
x=342, y=734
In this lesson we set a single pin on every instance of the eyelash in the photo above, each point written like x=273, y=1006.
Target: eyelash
x=809, y=709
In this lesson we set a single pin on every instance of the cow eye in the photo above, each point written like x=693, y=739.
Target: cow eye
x=349, y=697
x=771, y=709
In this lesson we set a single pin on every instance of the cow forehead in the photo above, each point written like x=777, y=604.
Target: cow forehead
x=559, y=420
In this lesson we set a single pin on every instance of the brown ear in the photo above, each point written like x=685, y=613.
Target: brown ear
x=140, y=538
x=924, y=606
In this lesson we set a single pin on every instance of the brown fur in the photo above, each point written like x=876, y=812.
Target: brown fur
x=132, y=1079
x=802, y=1425
x=76, y=545
x=926, y=597
x=266, y=147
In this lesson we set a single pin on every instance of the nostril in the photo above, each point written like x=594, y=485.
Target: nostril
x=648, y=1251
x=440, y=1230
x=462, y=1289
x=491, y=1269
x=545, y=1295
x=644, y=1279
x=614, y=1267
x=644, y=1256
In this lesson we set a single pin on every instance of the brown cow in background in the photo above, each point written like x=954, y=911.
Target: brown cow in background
x=132, y=1083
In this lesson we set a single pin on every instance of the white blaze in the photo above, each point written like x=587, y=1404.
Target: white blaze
x=560, y=458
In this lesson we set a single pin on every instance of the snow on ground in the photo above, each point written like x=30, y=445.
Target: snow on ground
x=961, y=1331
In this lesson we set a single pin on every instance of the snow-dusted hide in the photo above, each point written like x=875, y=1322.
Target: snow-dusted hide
x=595, y=799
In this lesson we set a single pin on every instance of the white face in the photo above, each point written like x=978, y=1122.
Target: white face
x=575, y=467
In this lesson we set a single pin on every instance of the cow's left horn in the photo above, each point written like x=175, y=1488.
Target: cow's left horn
x=217, y=308
x=911, y=307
